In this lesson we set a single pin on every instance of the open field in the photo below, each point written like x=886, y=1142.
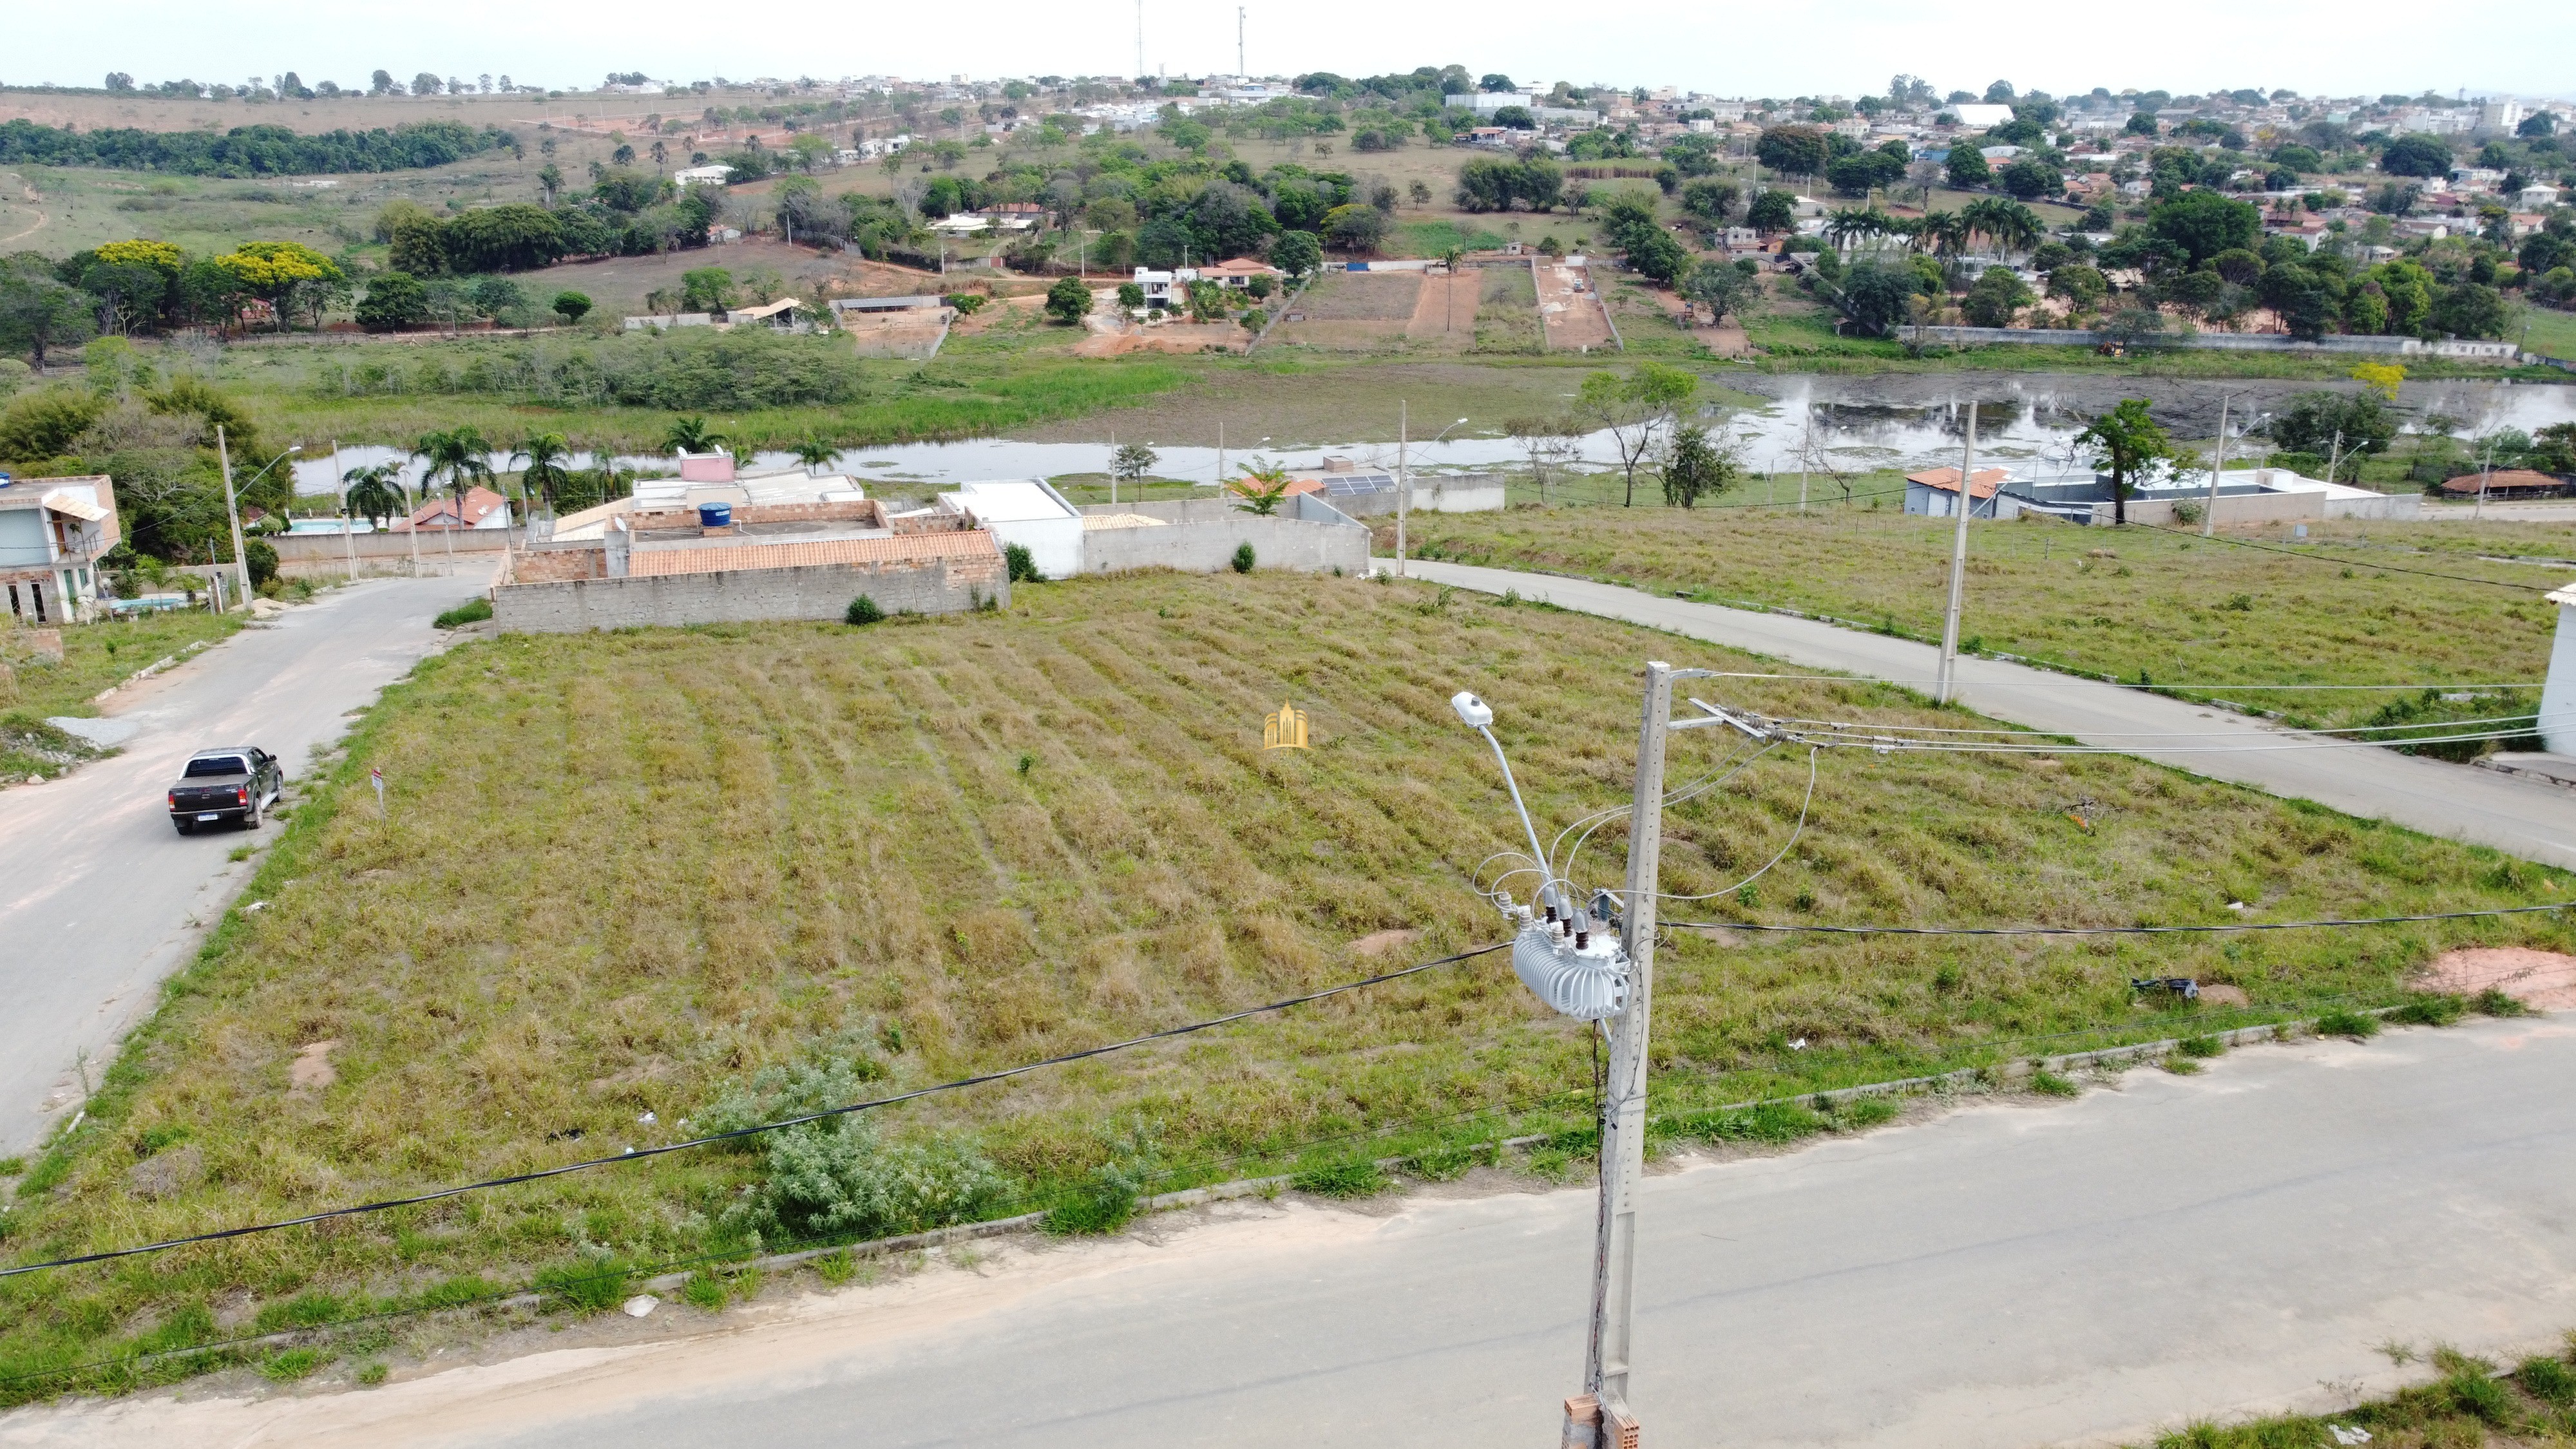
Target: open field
x=96, y=656
x=2173, y=606
x=623, y=871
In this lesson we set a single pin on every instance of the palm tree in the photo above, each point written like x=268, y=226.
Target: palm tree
x=1943, y=231
x=660, y=153
x=375, y=492
x=814, y=453
x=691, y=435
x=1261, y=487
x=544, y=453
x=462, y=457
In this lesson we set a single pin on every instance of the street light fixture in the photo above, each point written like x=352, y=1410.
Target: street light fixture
x=232, y=507
x=1404, y=477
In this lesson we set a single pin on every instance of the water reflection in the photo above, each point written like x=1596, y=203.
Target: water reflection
x=1847, y=423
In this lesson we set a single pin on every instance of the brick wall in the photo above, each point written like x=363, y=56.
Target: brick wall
x=823, y=591
x=560, y=563
x=865, y=512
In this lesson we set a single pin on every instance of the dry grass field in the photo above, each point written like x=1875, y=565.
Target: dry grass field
x=625, y=873
x=2340, y=607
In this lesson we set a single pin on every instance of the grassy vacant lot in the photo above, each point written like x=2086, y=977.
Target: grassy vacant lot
x=98, y=655
x=624, y=871
x=2181, y=609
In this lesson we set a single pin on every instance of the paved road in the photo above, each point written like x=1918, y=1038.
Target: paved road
x=2005, y=1275
x=2526, y=818
x=99, y=897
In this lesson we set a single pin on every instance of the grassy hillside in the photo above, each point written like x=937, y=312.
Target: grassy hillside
x=623, y=874
x=2339, y=609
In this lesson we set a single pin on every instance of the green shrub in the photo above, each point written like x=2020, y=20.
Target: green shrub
x=2430, y=717
x=261, y=560
x=2341, y=1022
x=863, y=610
x=704, y=1290
x=1243, y=559
x=593, y=1285
x=1449, y=1162
x=472, y=611
x=2430, y=1008
x=2548, y=1380
x=293, y=1364
x=1104, y=1203
x=373, y=1372
x=2201, y=1046
x=1356, y=1178
x=1024, y=569
x=836, y=1180
x=1863, y=1112
x=1772, y=1122
x=2494, y=1002
x=2049, y=1083
x=2472, y=1392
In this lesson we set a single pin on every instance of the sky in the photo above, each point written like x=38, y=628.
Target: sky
x=1787, y=48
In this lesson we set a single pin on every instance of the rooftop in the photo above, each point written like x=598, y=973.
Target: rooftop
x=1947, y=480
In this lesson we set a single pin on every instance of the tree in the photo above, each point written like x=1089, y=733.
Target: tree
x=2128, y=441
x=2081, y=285
x=1355, y=228
x=1262, y=487
x=545, y=474
x=570, y=306
x=2536, y=125
x=1996, y=297
x=1297, y=253
x=814, y=451
x=1130, y=462
x=1720, y=287
x=1772, y=211
x=375, y=492
x=280, y=273
x=2031, y=180
x=1792, y=150
x=2470, y=309
x=1875, y=296
x=1130, y=296
x=1695, y=468
x=1635, y=410
x=460, y=455
x=1710, y=200
x=425, y=84
x=706, y=289
x=394, y=300
x=36, y=310
x=1547, y=441
x=1068, y=301
x=1966, y=167
x=2204, y=223
x=1658, y=257
x=2416, y=156
x=691, y=435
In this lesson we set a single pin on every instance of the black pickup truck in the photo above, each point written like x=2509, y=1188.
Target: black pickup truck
x=226, y=786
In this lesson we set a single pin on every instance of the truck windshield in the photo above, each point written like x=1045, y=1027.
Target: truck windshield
x=217, y=765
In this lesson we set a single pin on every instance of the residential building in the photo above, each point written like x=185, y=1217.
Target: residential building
x=481, y=508
x=1980, y=117
x=1935, y=493
x=1161, y=287
x=1026, y=513
x=52, y=533
x=2505, y=483
x=690, y=176
x=1238, y=272
x=782, y=315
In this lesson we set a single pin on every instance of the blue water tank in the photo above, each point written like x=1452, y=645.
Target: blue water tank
x=715, y=515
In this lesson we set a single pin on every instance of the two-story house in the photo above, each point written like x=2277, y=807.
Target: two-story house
x=52, y=534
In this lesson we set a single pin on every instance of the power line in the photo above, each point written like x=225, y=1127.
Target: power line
x=638, y=1154
x=2234, y=927
x=2052, y=684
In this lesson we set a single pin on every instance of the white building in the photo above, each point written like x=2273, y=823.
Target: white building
x=1027, y=512
x=1981, y=118
x=701, y=176
x=1161, y=288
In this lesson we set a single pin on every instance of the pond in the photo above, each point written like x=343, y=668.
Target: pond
x=1849, y=424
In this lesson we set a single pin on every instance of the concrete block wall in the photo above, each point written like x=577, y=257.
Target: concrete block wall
x=1200, y=535
x=821, y=591
x=333, y=547
x=1445, y=493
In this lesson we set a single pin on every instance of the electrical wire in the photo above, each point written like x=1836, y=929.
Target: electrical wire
x=2233, y=927
x=1711, y=785
x=1799, y=830
x=1718, y=774
x=638, y=1154
x=2015, y=731
x=2052, y=684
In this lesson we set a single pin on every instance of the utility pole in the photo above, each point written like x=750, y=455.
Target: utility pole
x=2485, y=472
x=1941, y=688
x=1247, y=75
x=1220, y=453
x=348, y=525
x=411, y=528
x=232, y=510
x=1805, y=451
x=1623, y=1104
x=2334, y=456
x=1140, y=40
x=2209, y=515
x=1403, y=486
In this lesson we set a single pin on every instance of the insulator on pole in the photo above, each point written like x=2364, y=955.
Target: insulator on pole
x=1587, y=981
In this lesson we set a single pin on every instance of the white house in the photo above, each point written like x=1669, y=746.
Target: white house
x=1027, y=512
x=1160, y=287
x=2539, y=196
x=689, y=176
x=1981, y=118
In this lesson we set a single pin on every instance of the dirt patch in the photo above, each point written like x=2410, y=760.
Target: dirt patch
x=1187, y=337
x=1362, y=297
x=2545, y=979
x=1378, y=943
x=312, y=1070
x=1570, y=309
x=2217, y=995
x=1445, y=308
x=167, y=1175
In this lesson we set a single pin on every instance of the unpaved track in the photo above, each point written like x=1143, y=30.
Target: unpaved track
x=2085, y=1272
x=1574, y=320
x=1446, y=309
